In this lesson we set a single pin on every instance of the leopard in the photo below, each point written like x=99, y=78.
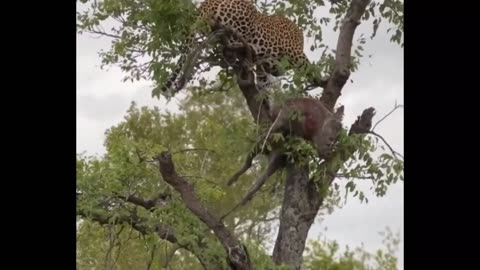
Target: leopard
x=271, y=38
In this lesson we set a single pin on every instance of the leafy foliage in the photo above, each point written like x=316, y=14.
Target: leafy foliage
x=325, y=255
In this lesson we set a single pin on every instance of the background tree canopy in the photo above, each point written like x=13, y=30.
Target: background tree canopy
x=131, y=217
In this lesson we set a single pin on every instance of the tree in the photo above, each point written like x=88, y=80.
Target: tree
x=193, y=153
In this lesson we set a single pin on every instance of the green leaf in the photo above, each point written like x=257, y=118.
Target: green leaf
x=350, y=186
x=361, y=197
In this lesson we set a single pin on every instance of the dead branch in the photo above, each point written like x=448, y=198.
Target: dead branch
x=237, y=254
x=363, y=123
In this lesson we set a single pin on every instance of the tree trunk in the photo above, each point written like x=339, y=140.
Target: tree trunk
x=300, y=206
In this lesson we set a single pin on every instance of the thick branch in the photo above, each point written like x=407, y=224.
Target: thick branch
x=341, y=71
x=237, y=254
x=148, y=204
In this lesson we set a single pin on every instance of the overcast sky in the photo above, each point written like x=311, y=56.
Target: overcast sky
x=102, y=101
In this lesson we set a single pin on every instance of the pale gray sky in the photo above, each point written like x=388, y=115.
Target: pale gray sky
x=102, y=101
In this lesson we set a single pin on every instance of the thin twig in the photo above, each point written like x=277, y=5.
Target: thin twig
x=103, y=34
x=270, y=130
x=395, y=153
x=388, y=114
x=113, y=238
x=357, y=177
x=193, y=149
x=119, y=249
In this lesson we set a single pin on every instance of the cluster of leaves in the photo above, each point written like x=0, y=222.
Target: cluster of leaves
x=324, y=254
x=145, y=34
x=384, y=170
x=392, y=11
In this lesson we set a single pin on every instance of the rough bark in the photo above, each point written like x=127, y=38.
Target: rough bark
x=298, y=212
